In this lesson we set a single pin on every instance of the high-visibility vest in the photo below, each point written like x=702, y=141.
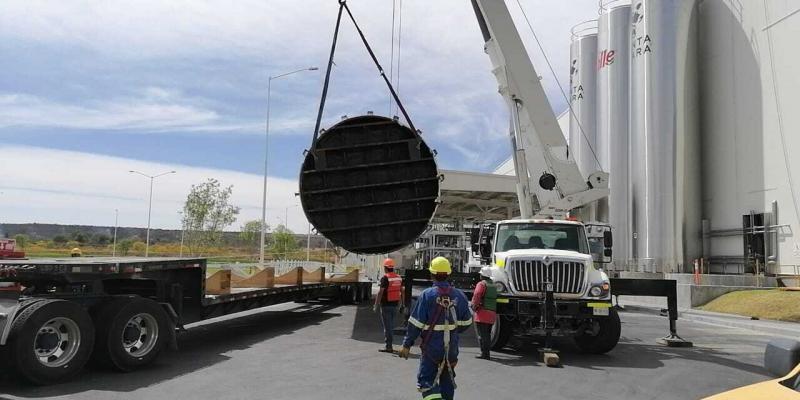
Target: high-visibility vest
x=395, y=286
x=490, y=296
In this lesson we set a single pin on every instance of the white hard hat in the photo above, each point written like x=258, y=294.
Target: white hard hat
x=486, y=271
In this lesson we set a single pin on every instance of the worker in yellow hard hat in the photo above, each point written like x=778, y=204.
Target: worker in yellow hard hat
x=76, y=252
x=440, y=314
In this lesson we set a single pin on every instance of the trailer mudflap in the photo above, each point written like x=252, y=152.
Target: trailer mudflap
x=9, y=306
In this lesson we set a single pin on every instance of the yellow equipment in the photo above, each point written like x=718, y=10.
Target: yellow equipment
x=440, y=265
x=76, y=252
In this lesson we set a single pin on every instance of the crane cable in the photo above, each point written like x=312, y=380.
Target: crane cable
x=399, y=31
x=561, y=88
x=391, y=61
x=343, y=6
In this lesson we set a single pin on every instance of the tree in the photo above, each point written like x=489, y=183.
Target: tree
x=283, y=242
x=102, y=239
x=59, y=239
x=79, y=237
x=22, y=240
x=124, y=246
x=251, y=232
x=206, y=213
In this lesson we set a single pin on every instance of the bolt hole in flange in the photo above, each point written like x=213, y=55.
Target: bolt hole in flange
x=370, y=185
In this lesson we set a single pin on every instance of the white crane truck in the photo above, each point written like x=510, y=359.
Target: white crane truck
x=542, y=263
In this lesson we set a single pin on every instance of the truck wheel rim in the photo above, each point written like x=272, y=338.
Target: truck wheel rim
x=140, y=335
x=57, y=342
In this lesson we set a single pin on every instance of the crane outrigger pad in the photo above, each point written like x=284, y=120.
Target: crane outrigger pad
x=369, y=184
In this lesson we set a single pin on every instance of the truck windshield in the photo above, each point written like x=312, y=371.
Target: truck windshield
x=515, y=236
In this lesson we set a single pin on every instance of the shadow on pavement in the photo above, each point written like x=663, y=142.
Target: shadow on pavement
x=367, y=328
x=199, y=347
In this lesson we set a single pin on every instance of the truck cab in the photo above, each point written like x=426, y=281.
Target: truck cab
x=549, y=282
x=528, y=254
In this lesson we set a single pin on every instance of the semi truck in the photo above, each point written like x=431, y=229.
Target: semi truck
x=122, y=312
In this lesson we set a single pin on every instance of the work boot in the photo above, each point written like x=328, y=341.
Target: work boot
x=388, y=349
x=483, y=356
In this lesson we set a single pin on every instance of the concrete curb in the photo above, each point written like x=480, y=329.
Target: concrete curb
x=768, y=327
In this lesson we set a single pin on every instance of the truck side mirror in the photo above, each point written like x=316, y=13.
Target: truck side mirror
x=607, y=252
x=608, y=241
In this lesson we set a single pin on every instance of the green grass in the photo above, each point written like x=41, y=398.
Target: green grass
x=780, y=305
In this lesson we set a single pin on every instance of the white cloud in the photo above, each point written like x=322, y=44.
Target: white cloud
x=53, y=186
x=446, y=82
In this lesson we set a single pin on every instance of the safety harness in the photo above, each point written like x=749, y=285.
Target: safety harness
x=444, y=305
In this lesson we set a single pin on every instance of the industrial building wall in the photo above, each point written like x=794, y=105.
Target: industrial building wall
x=750, y=121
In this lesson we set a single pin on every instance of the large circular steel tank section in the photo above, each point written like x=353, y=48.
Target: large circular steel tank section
x=370, y=185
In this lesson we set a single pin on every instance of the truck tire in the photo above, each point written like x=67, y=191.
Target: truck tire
x=131, y=332
x=605, y=340
x=51, y=341
x=501, y=332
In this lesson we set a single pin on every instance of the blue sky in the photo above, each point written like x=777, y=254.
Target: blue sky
x=91, y=89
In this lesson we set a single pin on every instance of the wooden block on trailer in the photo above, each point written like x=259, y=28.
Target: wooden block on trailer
x=219, y=283
x=236, y=277
x=316, y=276
x=293, y=277
x=351, y=276
x=262, y=279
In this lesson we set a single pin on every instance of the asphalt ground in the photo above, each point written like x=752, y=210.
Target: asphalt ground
x=318, y=351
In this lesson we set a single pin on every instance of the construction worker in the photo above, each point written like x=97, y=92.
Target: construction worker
x=389, y=296
x=484, y=305
x=440, y=314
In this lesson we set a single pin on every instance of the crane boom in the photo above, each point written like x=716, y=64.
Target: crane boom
x=538, y=144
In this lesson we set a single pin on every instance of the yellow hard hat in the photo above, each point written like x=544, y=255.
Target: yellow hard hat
x=76, y=252
x=440, y=265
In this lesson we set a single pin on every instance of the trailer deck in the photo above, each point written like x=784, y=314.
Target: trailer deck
x=133, y=303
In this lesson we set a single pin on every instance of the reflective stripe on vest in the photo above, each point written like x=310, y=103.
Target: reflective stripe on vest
x=395, y=287
x=490, y=296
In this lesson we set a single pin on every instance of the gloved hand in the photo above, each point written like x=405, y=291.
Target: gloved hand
x=403, y=353
x=375, y=307
x=402, y=310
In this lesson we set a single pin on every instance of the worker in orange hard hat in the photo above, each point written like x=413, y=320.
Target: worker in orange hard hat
x=389, y=297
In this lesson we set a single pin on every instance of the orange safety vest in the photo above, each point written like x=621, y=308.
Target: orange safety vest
x=395, y=285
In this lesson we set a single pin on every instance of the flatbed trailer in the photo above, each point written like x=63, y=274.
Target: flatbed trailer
x=122, y=311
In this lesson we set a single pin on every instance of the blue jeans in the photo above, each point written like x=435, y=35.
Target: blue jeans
x=428, y=368
x=387, y=319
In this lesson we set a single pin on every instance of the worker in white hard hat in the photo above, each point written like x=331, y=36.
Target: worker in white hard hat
x=440, y=314
x=484, y=305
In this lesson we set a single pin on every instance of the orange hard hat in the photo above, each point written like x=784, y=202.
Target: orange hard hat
x=388, y=263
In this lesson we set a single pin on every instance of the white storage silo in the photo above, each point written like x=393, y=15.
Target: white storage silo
x=664, y=142
x=583, y=102
x=613, y=43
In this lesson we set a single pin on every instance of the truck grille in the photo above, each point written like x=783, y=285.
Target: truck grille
x=531, y=275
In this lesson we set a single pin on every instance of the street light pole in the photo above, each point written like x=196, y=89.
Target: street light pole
x=183, y=229
x=150, y=206
x=308, y=244
x=266, y=163
x=116, y=225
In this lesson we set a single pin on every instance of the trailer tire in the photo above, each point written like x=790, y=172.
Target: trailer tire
x=131, y=332
x=61, y=335
x=502, y=331
x=605, y=340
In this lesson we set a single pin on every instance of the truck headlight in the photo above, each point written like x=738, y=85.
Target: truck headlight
x=501, y=287
x=599, y=290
